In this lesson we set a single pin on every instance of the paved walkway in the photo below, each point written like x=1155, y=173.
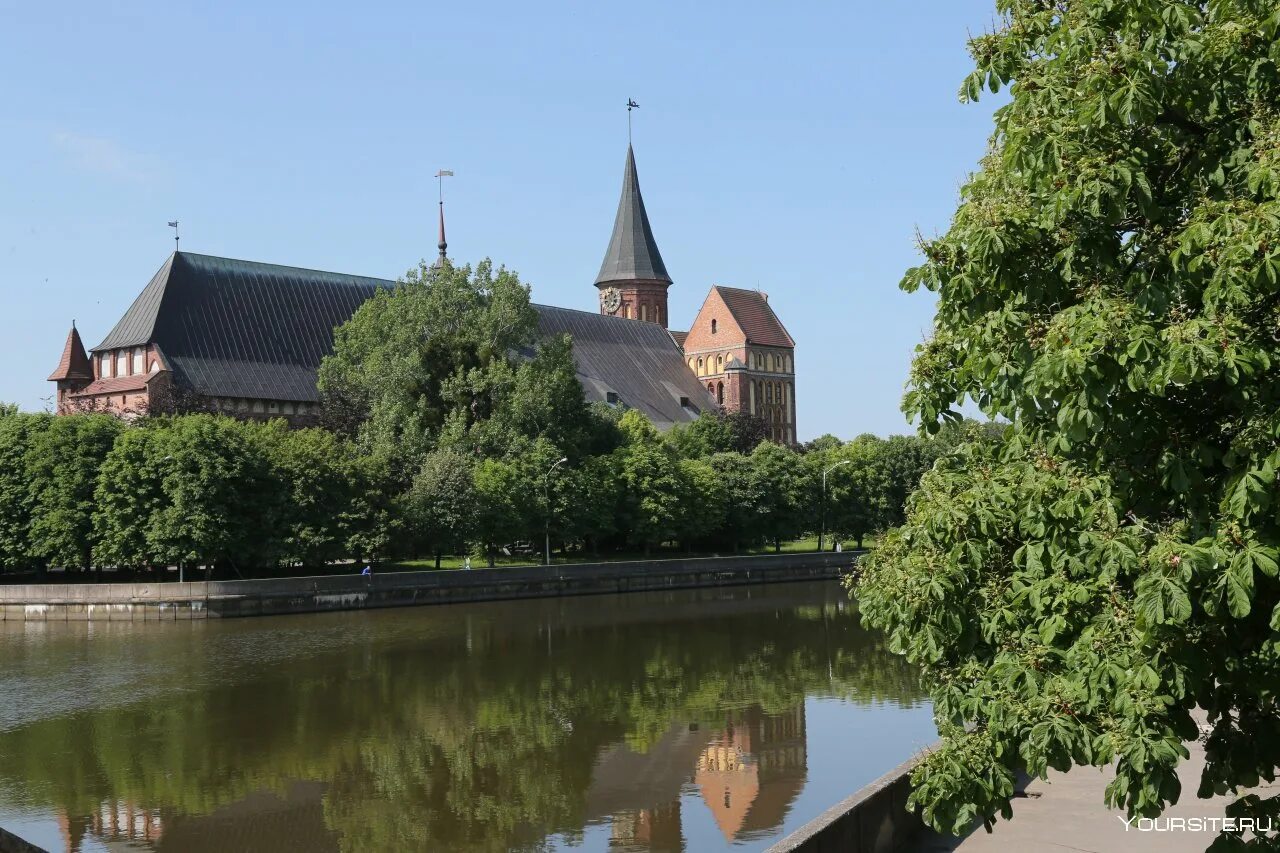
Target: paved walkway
x=1066, y=813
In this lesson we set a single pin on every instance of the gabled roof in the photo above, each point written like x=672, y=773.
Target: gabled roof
x=231, y=328
x=633, y=253
x=74, y=363
x=751, y=311
x=679, y=338
x=241, y=328
x=639, y=362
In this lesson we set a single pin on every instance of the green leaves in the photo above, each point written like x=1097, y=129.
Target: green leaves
x=1108, y=285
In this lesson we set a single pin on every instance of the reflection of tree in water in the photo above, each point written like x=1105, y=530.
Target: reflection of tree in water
x=480, y=739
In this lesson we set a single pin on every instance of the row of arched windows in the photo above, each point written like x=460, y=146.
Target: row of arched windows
x=772, y=361
x=645, y=313
x=126, y=362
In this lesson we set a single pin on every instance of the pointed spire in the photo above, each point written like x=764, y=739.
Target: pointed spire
x=633, y=253
x=443, y=245
x=74, y=363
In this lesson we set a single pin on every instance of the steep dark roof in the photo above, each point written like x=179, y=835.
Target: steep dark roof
x=233, y=328
x=633, y=253
x=639, y=362
x=750, y=308
x=74, y=363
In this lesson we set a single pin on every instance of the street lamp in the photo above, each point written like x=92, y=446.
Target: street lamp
x=546, y=494
x=822, y=525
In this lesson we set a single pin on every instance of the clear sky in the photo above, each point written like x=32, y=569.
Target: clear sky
x=790, y=147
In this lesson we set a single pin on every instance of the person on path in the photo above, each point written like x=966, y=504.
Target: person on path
x=466, y=562
x=368, y=571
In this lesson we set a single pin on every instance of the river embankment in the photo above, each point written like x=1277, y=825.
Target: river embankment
x=224, y=599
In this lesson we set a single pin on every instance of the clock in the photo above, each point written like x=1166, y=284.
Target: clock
x=610, y=300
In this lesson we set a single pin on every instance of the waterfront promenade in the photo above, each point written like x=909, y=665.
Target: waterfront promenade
x=1065, y=813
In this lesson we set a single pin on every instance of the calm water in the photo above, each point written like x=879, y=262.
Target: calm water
x=697, y=720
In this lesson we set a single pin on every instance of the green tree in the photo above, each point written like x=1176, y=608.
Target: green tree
x=440, y=507
x=222, y=500
x=785, y=487
x=450, y=355
x=317, y=473
x=1109, y=287
x=703, y=503
x=129, y=493
x=744, y=498
x=650, y=477
x=508, y=505
x=856, y=489
x=62, y=463
x=718, y=431
x=17, y=432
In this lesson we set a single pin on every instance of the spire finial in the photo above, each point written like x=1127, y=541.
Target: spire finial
x=442, y=245
x=631, y=105
x=174, y=225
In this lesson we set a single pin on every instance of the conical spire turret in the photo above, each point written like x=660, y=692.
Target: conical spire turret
x=633, y=253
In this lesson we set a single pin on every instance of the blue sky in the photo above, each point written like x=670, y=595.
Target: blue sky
x=790, y=147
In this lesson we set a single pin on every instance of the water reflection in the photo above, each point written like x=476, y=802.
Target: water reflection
x=644, y=722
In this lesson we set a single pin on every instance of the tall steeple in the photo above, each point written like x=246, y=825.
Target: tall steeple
x=443, y=245
x=633, y=280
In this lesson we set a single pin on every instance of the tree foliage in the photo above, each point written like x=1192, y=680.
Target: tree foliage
x=1110, y=285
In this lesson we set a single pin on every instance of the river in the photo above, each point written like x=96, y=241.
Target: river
x=700, y=720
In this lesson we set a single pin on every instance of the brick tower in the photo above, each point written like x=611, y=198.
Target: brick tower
x=633, y=281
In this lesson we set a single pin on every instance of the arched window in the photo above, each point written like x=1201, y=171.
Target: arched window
x=104, y=370
x=657, y=313
x=719, y=362
x=720, y=393
x=713, y=327
x=122, y=362
x=644, y=313
x=691, y=364
x=700, y=370
x=626, y=312
x=711, y=388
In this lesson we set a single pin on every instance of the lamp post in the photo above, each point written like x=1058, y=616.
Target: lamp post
x=822, y=525
x=546, y=494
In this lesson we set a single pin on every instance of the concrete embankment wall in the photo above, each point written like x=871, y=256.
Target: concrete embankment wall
x=872, y=820
x=214, y=599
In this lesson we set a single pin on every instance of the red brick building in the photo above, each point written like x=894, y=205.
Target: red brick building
x=736, y=346
x=247, y=338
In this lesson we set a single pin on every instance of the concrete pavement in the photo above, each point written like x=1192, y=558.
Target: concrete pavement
x=1066, y=813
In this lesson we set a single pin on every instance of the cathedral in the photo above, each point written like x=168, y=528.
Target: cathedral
x=247, y=339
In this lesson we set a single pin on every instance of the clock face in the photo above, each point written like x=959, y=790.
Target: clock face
x=610, y=300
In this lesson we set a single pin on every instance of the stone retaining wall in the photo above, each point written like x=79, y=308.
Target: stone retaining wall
x=873, y=820
x=201, y=600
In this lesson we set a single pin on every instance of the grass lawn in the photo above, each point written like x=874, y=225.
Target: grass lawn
x=450, y=561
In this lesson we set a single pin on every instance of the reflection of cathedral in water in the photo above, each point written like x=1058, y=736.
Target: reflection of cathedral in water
x=291, y=819
x=748, y=773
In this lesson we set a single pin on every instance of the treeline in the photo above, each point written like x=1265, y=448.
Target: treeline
x=85, y=491
x=450, y=428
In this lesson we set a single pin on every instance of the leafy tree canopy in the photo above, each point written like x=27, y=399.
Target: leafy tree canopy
x=1109, y=286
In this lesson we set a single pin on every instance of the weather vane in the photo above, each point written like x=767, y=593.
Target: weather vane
x=631, y=105
x=174, y=225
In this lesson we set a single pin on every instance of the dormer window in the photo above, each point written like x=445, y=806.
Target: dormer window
x=611, y=397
